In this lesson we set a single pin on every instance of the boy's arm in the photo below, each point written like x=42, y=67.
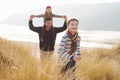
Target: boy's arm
x=62, y=53
x=77, y=52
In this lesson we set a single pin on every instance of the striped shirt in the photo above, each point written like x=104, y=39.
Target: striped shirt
x=64, y=48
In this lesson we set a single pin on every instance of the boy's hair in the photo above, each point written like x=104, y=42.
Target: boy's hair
x=72, y=19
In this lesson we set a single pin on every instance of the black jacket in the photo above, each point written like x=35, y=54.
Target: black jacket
x=47, y=40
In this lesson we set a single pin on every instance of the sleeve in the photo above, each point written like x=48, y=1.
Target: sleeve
x=31, y=27
x=62, y=52
x=39, y=15
x=77, y=52
x=63, y=28
x=57, y=16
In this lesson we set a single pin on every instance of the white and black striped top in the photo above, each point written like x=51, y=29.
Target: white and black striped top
x=64, y=48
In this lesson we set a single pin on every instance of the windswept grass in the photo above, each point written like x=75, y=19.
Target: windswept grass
x=99, y=64
x=17, y=62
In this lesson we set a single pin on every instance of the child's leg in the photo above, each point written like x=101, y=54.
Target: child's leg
x=70, y=74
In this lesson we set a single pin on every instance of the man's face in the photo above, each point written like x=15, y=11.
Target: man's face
x=48, y=24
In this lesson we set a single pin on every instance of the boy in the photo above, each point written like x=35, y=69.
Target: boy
x=69, y=50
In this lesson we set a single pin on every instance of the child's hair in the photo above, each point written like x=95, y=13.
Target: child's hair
x=72, y=19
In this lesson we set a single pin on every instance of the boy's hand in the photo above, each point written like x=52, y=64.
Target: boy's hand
x=77, y=58
x=31, y=17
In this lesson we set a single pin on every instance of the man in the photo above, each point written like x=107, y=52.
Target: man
x=47, y=35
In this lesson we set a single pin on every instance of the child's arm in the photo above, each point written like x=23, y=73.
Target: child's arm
x=77, y=54
x=58, y=16
x=78, y=46
x=39, y=16
x=62, y=52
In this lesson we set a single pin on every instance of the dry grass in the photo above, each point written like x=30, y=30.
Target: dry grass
x=18, y=63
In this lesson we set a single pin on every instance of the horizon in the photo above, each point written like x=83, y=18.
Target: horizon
x=99, y=15
x=103, y=16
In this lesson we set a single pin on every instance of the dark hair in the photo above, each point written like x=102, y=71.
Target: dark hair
x=44, y=27
x=72, y=19
x=47, y=19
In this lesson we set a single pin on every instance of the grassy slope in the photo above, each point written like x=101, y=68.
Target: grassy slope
x=18, y=63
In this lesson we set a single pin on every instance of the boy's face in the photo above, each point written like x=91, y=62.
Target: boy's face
x=73, y=26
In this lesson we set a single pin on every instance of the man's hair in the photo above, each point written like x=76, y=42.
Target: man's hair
x=72, y=19
x=48, y=19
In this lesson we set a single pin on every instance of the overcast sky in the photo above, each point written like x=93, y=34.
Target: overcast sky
x=9, y=7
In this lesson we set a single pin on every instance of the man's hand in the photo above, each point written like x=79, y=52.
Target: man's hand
x=77, y=58
x=31, y=17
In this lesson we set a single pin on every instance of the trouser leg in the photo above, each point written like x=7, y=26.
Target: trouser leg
x=68, y=75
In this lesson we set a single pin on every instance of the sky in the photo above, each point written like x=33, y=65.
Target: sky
x=9, y=7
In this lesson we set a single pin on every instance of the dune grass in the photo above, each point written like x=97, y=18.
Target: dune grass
x=17, y=62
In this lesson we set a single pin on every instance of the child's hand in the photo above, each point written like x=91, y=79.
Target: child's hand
x=77, y=58
x=65, y=17
x=31, y=17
